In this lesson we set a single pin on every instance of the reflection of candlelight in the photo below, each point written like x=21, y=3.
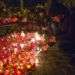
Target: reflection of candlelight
x=28, y=66
x=22, y=34
x=33, y=40
x=14, y=44
x=37, y=62
x=22, y=46
x=15, y=50
x=0, y=70
x=1, y=66
x=37, y=36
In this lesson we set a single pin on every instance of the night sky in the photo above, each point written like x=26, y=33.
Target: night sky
x=26, y=2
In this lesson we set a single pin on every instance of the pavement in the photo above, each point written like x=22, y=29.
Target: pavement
x=54, y=62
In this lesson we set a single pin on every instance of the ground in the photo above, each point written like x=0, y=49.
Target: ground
x=54, y=62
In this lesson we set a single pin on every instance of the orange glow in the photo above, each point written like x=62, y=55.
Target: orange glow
x=28, y=66
x=19, y=51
